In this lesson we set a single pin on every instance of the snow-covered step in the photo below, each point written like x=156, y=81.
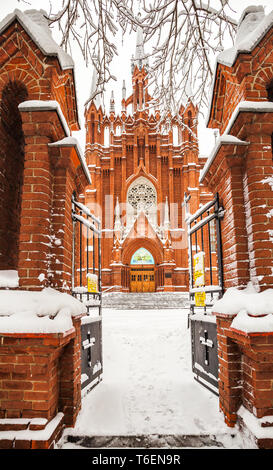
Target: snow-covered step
x=145, y=300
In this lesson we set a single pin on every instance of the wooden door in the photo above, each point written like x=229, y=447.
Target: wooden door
x=142, y=280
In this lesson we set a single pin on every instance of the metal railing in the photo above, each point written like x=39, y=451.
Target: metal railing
x=86, y=240
x=204, y=235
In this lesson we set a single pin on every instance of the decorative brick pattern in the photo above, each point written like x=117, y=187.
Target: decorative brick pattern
x=239, y=171
x=40, y=374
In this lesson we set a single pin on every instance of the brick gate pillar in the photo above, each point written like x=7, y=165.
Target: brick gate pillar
x=54, y=169
x=41, y=125
x=223, y=173
x=245, y=379
x=256, y=127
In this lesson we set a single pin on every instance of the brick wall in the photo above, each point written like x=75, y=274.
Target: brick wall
x=40, y=374
x=237, y=170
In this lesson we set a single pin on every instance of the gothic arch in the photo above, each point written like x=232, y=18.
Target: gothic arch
x=12, y=154
x=132, y=245
x=143, y=174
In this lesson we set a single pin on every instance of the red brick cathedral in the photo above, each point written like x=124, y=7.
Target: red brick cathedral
x=141, y=169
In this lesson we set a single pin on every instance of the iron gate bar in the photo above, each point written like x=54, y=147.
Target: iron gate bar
x=216, y=215
x=96, y=231
x=203, y=326
x=201, y=210
x=91, y=328
x=202, y=222
x=210, y=260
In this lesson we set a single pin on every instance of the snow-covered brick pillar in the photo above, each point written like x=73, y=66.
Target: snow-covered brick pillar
x=70, y=176
x=41, y=125
x=252, y=122
x=245, y=348
x=223, y=173
x=54, y=168
x=40, y=367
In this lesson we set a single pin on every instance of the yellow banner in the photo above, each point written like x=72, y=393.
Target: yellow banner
x=92, y=283
x=199, y=269
x=200, y=299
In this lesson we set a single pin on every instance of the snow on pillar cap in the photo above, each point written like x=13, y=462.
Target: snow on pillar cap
x=249, y=20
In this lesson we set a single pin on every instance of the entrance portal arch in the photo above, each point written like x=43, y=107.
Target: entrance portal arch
x=142, y=271
x=142, y=258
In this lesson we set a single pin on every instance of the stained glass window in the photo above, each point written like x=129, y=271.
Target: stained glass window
x=142, y=256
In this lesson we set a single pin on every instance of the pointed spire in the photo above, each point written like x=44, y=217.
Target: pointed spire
x=95, y=94
x=112, y=103
x=123, y=106
x=188, y=91
x=139, y=52
x=139, y=58
x=123, y=90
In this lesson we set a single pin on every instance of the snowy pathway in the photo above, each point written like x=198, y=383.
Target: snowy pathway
x=148, y=386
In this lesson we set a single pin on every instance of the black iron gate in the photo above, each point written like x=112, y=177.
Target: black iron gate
x=86, y=287
x=206, y=286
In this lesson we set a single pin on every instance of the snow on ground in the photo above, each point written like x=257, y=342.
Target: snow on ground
x=148, y=386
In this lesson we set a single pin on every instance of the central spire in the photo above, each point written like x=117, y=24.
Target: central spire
x=139, y=58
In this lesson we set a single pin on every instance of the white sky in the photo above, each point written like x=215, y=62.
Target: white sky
x=121, y=66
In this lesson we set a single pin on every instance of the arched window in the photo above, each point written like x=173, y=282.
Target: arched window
x=190, y=124
x=175, y=136
x=142, y=256
x=92, y=129
x=106, y=137
x=12, y=145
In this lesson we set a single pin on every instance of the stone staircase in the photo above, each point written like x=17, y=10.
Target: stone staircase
x=145, y=300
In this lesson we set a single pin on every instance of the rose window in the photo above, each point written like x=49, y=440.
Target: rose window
x=142, y=196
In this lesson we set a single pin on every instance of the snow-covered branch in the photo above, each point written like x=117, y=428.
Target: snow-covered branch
x=183, y=37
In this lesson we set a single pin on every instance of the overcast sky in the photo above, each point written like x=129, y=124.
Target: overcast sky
x=122, y=65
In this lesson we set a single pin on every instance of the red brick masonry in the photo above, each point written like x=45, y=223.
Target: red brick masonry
x=245, y=373
x=40, y=377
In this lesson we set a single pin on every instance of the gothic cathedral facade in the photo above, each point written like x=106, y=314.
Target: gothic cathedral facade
x=141, y=170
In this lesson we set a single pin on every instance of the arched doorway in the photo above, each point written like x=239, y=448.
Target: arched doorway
x=142, y=271
x=12, y=154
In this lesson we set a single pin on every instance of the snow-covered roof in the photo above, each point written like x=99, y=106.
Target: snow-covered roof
x=249, y=106
x=68, y=141
x=224, y=139
x=35, y=24
x=252, y=27
x=73, y=142
x=95, y=94
x=40, y=105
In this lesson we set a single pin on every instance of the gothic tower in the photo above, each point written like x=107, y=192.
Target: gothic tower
x=141, y=169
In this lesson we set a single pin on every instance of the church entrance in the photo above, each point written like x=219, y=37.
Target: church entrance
x=142, y=272
x=142, y=279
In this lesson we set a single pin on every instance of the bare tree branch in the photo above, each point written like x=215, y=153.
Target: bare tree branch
x=183, y=37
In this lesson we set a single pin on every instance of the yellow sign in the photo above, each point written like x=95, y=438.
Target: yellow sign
x=199, y=269
x=92, y=282
x=200, y=299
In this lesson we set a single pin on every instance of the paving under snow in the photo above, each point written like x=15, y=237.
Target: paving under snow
x=148, y=386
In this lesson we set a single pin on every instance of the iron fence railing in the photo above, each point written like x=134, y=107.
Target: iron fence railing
x=204, y=236
x=86, y=256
